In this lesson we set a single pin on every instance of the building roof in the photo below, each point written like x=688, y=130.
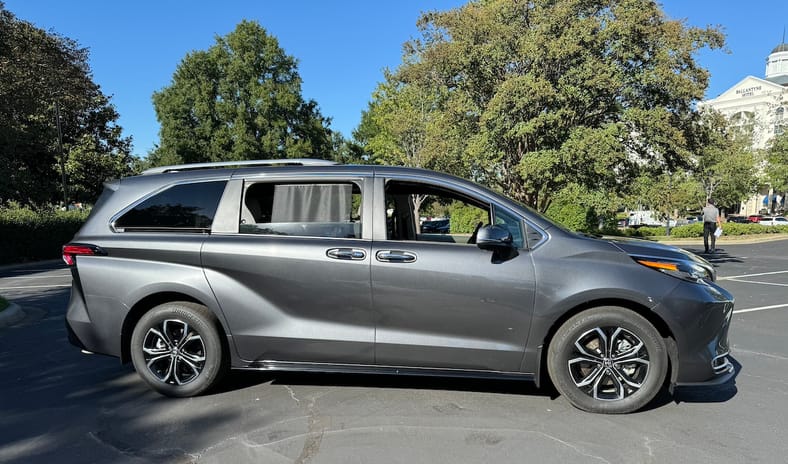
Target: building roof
x=783, y=47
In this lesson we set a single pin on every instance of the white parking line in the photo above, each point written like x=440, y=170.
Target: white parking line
x=37, y=277
x=762, y=308
x=759, y=283
x=34, y=286
x=19, y=271
x=751, y=275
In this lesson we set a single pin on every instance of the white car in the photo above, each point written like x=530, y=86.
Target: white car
x=773, y=221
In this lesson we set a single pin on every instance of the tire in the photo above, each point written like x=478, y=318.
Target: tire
x=620, y=379
x=170, y=364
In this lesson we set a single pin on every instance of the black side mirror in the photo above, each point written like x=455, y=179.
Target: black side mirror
x=494, y=238
x=499, y=240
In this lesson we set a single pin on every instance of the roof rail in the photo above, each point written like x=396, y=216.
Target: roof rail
x=245, y=163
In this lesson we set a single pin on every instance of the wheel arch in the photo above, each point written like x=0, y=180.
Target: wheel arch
x=151, y=301
x=543, y=378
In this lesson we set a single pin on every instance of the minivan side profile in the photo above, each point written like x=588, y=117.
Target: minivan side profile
x=189, y=271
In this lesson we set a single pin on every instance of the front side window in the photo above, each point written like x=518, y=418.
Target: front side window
x=302, y=209
x=183, y=208
x=513, y=223
x=423, y=212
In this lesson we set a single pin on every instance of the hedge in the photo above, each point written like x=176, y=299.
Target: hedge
x=696, y=230
x=464, y=218
x=27, y=235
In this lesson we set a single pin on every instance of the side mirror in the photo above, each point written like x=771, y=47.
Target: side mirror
x=494, y=238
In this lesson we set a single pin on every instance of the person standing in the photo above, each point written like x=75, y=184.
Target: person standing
x=711, y=220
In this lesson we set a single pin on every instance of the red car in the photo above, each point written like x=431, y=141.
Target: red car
x=754, y=218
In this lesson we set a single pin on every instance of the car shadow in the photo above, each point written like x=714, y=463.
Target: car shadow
x=238, y=380
x=244, y=379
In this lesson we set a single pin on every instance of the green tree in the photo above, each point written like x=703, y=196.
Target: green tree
x=545, y=92
x=724, y=163
x=41, y=72
x=240, y=99
x=777, y=157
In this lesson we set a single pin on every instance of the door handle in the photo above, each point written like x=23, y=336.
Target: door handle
x=353, y=254
x=395, y=256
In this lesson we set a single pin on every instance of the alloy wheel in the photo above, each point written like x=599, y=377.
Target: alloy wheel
x=174, y=353
x=609, y=363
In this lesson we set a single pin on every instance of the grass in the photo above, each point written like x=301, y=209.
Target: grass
x=3, y=303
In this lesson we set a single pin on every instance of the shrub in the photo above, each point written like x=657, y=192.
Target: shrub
x=464, y=218
x=26, y=234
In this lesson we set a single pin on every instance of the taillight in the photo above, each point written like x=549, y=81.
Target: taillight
x=72, y=250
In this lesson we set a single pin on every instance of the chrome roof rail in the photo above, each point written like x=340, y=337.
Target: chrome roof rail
x=245, y=163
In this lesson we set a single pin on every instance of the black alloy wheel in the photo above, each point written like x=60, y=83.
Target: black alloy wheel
x=608, y=360
x=176, y=349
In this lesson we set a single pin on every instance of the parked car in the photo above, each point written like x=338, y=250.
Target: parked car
x=773, y=221
x=187, y=271
x=737, y=219
x=754, y=218
x=438, y=226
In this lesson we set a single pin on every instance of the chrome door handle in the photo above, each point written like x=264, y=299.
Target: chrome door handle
x=395, y=256
x=354, y=254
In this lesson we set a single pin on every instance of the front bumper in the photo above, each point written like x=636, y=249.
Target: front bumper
x=699, y=317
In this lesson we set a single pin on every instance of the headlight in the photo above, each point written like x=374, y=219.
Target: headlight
x=685, y=270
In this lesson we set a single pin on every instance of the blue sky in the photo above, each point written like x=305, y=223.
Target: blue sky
x=342, y=46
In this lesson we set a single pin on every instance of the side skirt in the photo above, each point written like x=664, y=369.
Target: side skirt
x=385, y=370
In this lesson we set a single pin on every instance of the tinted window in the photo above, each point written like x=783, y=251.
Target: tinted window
x=302, y=209
x=187, y=207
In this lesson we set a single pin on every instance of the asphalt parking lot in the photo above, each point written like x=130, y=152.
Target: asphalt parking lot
x=58, y=405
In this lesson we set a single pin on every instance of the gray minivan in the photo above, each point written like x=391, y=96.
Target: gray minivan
x=187, y=271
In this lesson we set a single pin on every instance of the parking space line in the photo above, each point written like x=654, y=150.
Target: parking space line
x=20, y=271
x=759, y=283
x=762, y=308
x=37, y=277
x=751, y=275
x=34, y=286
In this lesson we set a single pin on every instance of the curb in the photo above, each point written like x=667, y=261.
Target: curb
x=725, y=240
x=11, y=315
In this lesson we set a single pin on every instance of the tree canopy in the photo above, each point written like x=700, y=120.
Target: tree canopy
x=777, y=156
x=240, y=99
x=39, y=72
x=534, y=95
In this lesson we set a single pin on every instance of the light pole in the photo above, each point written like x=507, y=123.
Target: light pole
x=62, y=155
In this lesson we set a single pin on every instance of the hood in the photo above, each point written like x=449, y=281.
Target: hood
x=647, y=248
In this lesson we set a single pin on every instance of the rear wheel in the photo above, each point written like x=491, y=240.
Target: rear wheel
x=608, y=360
x=176, y=349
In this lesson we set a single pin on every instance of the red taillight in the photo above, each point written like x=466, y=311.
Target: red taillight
x=72, y=250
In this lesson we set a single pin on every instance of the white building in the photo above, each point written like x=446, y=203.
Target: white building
x=761, y=104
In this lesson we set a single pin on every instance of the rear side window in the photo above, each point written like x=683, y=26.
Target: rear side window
x=302, y=209
x=183, y=208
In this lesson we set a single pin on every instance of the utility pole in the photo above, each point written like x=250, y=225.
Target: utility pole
x=62, y=155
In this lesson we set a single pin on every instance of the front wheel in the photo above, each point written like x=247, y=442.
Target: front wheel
x=176, y=349
x=608, y=360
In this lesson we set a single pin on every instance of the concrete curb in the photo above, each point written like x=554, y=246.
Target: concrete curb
x=726, y=240
x=11, y=315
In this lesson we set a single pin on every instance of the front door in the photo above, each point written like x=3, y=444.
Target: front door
x=439, y=300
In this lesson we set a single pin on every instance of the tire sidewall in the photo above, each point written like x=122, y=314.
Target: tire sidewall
x=199, y=319
x=562, y=346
